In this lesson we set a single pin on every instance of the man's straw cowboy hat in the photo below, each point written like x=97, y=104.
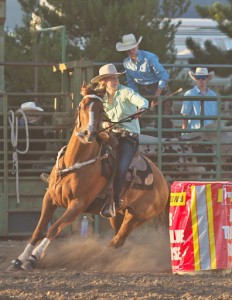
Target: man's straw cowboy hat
x=201, y=72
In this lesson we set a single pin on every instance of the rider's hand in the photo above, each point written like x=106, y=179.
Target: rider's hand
x=105, y=125
x=154, y=102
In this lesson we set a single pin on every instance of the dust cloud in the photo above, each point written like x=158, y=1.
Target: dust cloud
x=146, y=250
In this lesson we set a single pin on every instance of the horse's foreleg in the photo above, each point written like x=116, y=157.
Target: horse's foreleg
x=47, y=211
x=46, y=215
x=69, y=216
x=129, y=223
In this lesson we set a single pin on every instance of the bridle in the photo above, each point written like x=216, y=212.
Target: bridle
x=93, y=128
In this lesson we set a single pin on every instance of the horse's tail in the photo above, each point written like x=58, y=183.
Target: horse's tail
x=167, y=207
x=162, y=220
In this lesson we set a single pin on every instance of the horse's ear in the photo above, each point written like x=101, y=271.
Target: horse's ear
x=84, y=88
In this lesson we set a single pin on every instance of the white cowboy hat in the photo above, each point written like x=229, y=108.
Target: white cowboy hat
x=106, y=71
x=201, y=71
x=30, y=106
x=128, y=42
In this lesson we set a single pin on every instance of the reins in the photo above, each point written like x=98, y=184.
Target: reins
x=78, y=165
x=138, y=113
x=127, y=119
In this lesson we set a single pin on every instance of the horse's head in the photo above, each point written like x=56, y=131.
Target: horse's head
x=88, y=89
x=89, y=118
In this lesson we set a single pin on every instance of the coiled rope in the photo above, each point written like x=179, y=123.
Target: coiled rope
x=13, y=121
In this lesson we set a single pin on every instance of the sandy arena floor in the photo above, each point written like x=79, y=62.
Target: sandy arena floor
x=86, y=269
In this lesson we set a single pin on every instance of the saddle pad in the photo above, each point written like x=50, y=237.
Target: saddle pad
x=139, y=163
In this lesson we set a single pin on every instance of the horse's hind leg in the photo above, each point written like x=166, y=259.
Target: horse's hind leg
x=116, y=222
x=46, y=215
x=130, y=222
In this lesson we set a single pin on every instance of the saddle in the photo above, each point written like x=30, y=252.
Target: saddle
x=139, y=175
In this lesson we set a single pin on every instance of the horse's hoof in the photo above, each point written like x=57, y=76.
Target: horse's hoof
x=30, y=263
x=15, y=265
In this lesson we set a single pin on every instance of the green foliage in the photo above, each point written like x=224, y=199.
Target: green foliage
x=220, y=13
x=93, y=28
x=211, y=54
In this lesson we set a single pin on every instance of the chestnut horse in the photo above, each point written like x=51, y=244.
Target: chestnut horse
x=76, y=180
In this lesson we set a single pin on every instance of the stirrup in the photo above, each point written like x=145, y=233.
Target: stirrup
x=44, y=177
x=108, y=210
x=119, y=204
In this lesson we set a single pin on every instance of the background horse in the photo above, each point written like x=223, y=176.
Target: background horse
x=76, y=180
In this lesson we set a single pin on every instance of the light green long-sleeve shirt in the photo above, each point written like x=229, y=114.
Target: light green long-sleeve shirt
x=126, y=103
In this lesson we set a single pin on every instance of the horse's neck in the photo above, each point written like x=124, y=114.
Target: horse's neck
x=79, y=152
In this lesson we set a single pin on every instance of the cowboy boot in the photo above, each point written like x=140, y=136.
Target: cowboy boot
x=118, y=203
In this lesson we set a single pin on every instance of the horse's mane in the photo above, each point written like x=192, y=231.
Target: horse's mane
x=88, y=89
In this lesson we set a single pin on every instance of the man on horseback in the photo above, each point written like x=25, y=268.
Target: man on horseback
x=120, y=102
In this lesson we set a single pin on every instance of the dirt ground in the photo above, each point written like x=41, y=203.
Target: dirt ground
x=75, y=268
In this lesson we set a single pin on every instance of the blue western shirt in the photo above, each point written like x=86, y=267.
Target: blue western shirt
x=193, y=107
x=145, y=71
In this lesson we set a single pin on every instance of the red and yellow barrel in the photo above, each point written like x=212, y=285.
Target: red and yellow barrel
x=200, y=226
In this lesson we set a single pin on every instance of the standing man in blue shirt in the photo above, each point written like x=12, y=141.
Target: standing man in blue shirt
x=196, y=107
x=144, y=72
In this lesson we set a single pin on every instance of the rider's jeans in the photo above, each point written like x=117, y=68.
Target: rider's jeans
x=126, y=150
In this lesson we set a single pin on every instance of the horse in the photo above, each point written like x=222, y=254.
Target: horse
x=76, y=181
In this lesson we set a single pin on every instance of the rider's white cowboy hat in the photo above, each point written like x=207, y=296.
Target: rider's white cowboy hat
x=128, y=42
x=201, y=71
x=30, y=106
x=106, y=71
